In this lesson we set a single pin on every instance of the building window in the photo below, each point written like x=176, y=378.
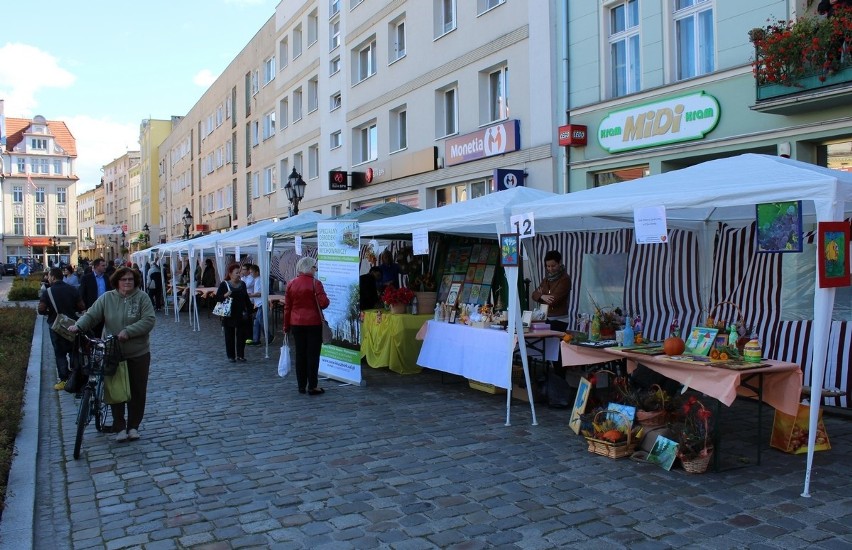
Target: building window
x=38, y=144
x=61, y=195
x=334, y=7
x=297, y=41
x=268, y=70
x=399, y=129
x=498, y=95
x=334, y=34
x=462, y=192
x=18, y=226
x=283, y=109
x=485, y=5
x=22, y=165
x=313, y=161
x=255, y=185
x=255, y=133
x=365, y=62
x=40, y=226
x=334, y=66
x=270, y=180
x=297, y=163
x=313, y=27
x=622, y=174
x=335, y=140
x=624, y=48
x=283, y=51
x=446, y=111
x=696, y=50
x=445, y=16
x=268, y=125
x=366, y=144
x=282, y=167
x=39, y=195
x=57, y=167
x=397, y=41
x=335, y=101
x=17, y=194
x=62, y=226
x=41, y=166
x=255, y=82
x=313, y=94
x=297, y=105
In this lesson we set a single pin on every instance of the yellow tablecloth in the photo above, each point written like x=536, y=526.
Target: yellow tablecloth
x=387, y=340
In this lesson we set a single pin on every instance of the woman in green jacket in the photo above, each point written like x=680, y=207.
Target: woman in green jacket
x=128, y=314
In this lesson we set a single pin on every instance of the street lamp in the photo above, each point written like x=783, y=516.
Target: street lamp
x=295, y=189
x=146, y=234
x=187, y=223
x=54, y=247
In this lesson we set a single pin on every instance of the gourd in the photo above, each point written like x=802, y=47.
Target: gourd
x=673, y=345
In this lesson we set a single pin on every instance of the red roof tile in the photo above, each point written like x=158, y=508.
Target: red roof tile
x=16, y=127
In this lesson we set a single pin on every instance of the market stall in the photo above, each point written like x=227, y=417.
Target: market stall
x=388, y=340
x=702, y=198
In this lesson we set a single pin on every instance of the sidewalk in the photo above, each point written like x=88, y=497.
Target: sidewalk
x=231, y=456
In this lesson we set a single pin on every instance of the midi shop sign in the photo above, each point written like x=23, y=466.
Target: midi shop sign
x=488, y=142
x=672, y=120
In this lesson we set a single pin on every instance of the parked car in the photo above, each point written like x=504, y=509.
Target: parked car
x=9, y=268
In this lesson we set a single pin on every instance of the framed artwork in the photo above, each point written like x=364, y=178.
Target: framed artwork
x=580, y=402
x=624, y=420
x=509, y=249
x=700, y=340
x=779, y=226
x=833, y=239
x=453, y=294
x=663, y=452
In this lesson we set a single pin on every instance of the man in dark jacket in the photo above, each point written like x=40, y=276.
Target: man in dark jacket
x=60, y=297
x=94, y=283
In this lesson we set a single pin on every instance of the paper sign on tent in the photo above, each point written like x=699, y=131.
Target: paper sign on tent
x=649, y=225
x=298, y=245
x=420, y=241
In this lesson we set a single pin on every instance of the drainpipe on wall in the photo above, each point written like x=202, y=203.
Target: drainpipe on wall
x=565, y=152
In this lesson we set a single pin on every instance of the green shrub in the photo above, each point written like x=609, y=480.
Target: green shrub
x=16, y=336
x=24, y=289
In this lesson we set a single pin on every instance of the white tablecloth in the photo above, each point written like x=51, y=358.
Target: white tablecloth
x=480, y=354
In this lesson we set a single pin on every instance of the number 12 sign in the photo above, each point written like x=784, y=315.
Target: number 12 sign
x=523, y=225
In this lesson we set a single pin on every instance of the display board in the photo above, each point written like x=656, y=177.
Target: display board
x=473, y=266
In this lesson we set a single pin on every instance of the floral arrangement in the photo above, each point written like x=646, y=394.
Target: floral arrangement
x=393, y=295
x=694, y=433
x=786, y=51
x=610, y=317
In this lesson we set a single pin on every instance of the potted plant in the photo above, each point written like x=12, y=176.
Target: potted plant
x=694, y=436
x=397, y=298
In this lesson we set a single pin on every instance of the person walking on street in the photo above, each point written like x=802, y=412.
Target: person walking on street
x=302, y=302
x=256, y=295
x=237, y=324
x=71, y=276
x=127, y=313
x=95, y=283
x=154, y=286
x=60, y=297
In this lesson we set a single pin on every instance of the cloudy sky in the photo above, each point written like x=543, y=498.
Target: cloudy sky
x=102, y=66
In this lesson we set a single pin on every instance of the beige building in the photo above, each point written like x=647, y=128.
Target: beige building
x=38, y=190
x=117, y=198
x=86, y=216
x=151, y=134
x=406, y=110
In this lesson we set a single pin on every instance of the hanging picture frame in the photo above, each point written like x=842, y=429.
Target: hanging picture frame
x=779, y=226
x=509, y=249
x=833, y=241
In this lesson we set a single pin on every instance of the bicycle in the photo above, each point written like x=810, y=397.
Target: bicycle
x=97, y=357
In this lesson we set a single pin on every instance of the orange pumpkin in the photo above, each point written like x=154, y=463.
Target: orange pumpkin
x=674, y=345
x=612, y=436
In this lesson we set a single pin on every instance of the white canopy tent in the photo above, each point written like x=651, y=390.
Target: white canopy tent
x=487, y=217
x=697, y=197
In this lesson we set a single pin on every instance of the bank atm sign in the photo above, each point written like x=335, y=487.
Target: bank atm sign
x=677, y=119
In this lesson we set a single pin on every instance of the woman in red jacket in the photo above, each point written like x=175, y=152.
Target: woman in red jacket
x=302, y=302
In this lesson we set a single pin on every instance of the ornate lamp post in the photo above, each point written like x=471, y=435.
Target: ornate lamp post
x=187, y=223
x=146, y=235
x=54, y=248
x=295, y=190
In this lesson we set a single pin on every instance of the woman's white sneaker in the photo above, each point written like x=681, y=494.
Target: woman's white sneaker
x=121, y=437
x=132, y=434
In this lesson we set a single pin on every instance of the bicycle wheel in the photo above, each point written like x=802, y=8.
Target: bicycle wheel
x=101, y=409
x=83, y=417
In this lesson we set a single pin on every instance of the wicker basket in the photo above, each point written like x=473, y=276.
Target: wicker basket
x=724, y=326
x=612, y=450
x=696, y=465
x=651, y=419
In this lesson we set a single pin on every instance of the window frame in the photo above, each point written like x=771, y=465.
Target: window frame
x=497, y=102
x=446, y=17
x=399, y=129
x=624, y=79
x=699, y=43
x=366, y=140
x=447, y=108
x=365, y=55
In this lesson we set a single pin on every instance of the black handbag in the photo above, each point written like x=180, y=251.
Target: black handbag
x=76, y=380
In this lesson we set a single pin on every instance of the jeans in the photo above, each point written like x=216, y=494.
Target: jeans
x=63, y=349
x=258, y=324
x=308, y=344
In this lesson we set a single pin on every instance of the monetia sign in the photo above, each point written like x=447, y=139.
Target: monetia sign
x=681, y=118
x=494, y=140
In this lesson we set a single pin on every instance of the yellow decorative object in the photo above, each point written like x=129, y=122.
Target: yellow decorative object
x=752, y=352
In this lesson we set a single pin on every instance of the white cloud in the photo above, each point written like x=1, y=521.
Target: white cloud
x=24, y=70
x=99, y=142
x=204, y=78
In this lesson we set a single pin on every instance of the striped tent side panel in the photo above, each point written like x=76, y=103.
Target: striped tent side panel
x=838, y=362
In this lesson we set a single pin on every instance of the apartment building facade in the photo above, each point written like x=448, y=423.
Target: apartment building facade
x=664, y=84
x=117, y=184
x=368, y=103
x=152, y=132
x=87, y=203
x=38, y=177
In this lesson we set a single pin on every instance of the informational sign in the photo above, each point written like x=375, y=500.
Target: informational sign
x=298, y=245
x=508, y=179
x=420, y=241
x=339, y=246
x=338, y=180
x=672, y=120
x=220, y=253
x=488, y=142
x=649, y=225
x=269, y=242
x=523, y=225
x=236, y=253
